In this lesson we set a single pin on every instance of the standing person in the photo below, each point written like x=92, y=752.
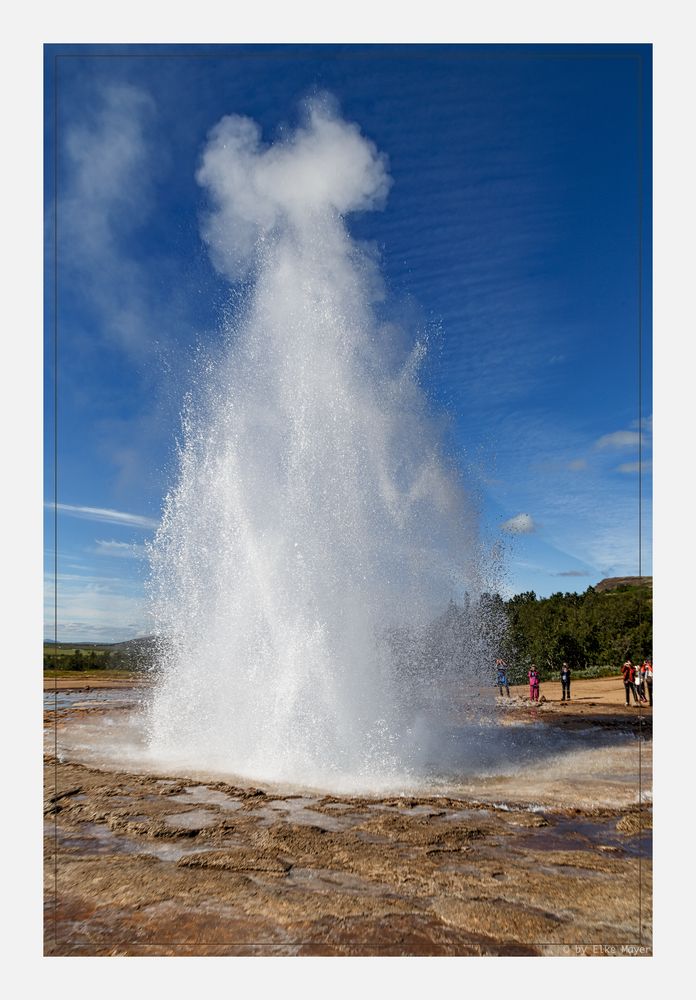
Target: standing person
x=533, y=684
x=629, y=677
x=565, y=681
x=502, y=677
x=648, y=678
x=639, y=681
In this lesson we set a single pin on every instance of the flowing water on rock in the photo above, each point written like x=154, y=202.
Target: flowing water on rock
x=528, y=765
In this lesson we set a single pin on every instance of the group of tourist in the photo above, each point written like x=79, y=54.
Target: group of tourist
x=533, y=676
x=637, y=679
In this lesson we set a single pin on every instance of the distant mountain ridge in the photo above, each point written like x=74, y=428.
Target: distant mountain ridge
x=144, y=642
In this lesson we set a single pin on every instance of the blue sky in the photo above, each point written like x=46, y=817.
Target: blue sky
x=510, y=234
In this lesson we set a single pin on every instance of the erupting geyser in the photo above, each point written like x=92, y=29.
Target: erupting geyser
x=316, y=531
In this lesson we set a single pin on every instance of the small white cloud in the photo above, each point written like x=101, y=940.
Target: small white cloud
x=629, y=467
x=619, y=439
x=104, y=515
x=577, y=464
x=520, y=524
x=572, y=572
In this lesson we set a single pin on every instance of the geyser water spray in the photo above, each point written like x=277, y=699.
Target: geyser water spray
x=316, y=533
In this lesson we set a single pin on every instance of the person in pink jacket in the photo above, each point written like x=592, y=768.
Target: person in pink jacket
x=533, y=684
x=648, y=669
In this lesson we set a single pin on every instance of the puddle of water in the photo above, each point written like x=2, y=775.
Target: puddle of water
x=568, y=834
x=298, y=809
x=98, y=839
x=328, y=880
x=201, y=794
x=565, y=870
x=486, y=762
x=474, y=816
x=98, y=698
x=295, y=810
x=373, y=838
x=410, y=811
x=195, y=819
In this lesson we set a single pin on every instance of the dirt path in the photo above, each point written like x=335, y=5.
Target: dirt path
x=96, y=679
x=600, y=690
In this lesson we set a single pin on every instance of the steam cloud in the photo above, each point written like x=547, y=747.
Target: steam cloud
x=326, y=166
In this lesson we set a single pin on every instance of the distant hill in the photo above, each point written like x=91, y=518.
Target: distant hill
x=131, y=654
x=614, y=582
x=145, y=642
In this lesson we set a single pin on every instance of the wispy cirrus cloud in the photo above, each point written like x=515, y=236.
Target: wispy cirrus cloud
x=572, y=572
x=93, y=608
x=104, y=515
x=639, y=434
x=618, y=439
x=121, y=550
x=131, y=291
x=109, y=168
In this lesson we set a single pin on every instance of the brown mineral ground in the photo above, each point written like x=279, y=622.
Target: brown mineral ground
x=157, y=864
x=598, y=690
x=94, y=679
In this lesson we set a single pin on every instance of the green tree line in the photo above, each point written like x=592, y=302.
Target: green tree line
x=79, y=659
x=593, y=629
x=584, y=630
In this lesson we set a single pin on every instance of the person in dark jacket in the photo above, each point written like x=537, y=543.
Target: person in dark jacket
x=565, y=681
x=502, y=681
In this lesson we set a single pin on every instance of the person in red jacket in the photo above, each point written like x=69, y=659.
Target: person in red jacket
x=628, y=672
x=533, y=684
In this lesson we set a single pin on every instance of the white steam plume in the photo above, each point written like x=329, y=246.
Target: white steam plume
x=317, y=530
x=326, y=166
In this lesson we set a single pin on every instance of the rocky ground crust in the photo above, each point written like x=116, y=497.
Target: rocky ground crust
x=155, y=865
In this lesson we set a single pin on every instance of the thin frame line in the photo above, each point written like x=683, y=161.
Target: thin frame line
x=306, y=944
x=342, y=51
x=640, y=478
x=55, y=485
